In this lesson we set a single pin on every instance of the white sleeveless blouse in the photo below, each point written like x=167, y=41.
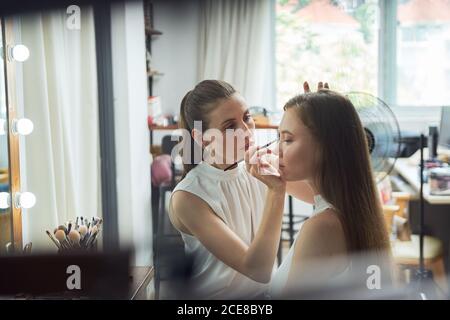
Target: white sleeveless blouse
x=238, y=199
x=280, y=277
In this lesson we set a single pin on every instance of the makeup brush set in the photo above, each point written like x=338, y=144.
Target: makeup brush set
x=81, y=235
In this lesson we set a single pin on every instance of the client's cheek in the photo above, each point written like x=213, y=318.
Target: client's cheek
x=287, y=158
x=294, y=160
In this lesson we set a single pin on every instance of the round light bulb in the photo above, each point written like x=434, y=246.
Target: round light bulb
x=2, y=127
x=23, y=126
x=4, y=200
x=25, y=200
x=20, y=53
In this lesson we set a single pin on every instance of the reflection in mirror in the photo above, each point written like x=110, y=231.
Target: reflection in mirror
x=55, y=87
x=5, y=210
x=57, y=92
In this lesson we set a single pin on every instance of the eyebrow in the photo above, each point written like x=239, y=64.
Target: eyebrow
x=286, y=131
x=226, y=121
x=232, y=119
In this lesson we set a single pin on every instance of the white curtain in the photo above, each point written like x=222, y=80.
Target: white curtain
x=60, y=159
x=237, y=45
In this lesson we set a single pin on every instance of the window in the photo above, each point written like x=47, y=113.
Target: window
x=338, y=41
x=334, y=41
x=423, y=52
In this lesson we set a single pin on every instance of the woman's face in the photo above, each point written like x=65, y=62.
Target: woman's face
x=297, y=149
x=232, y=121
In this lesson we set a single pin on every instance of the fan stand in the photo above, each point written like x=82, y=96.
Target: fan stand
x=422, y=277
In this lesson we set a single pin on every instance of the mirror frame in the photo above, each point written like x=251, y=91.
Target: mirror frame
x=6, y=217
x=102, y=27
x=13, y=140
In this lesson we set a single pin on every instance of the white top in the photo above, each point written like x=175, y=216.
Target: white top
x=280, y=278
x=238, y=199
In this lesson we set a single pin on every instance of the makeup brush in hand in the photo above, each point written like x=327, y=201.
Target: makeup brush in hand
x=262, y=147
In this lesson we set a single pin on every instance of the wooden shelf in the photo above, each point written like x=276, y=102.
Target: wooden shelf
x=150, y=31
x=153, y=32
x=154, y=73
x=266, y=126
x=157, y=127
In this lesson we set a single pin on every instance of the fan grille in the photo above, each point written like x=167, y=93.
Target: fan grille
x=382, y=131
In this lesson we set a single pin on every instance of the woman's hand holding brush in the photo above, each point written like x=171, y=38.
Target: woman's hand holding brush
x=262, y=163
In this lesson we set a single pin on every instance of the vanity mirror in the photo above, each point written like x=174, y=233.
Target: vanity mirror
x=53, y=138
x=60, y=95
x=5, y=208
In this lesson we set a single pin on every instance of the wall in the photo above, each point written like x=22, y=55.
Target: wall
x=175, y=52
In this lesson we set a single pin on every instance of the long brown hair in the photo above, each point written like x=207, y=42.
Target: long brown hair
x=196, y=106
x=344, y=176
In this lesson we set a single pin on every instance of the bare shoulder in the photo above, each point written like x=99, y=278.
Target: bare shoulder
x=182, y=201
x=185, y=206
x=327, y=220
x=322, y=234
x=320, y=251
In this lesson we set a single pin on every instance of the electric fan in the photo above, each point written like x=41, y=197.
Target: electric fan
x=382, y=132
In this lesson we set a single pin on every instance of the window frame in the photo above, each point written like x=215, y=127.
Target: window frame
x=418, y=117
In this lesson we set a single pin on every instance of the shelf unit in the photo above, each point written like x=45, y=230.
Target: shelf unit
x=150, y=32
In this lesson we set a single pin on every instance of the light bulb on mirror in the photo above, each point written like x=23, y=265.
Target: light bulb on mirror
x=4, y=200
x=22, y=126
x=20, y=53
x=24, y=200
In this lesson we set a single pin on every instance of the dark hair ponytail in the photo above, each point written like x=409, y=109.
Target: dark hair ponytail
x=183, y=124
x=196, y=106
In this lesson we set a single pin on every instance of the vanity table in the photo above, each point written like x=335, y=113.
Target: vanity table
x=46, y=276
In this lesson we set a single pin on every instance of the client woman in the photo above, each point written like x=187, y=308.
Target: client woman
x=323, y=143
